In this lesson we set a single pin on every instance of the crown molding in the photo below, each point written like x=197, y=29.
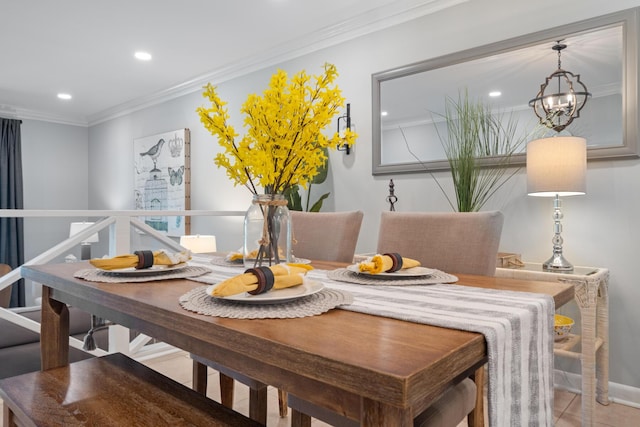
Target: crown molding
x=26, y=114
x=366, y=23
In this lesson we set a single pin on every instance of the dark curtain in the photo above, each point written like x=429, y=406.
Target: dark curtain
x=11, y=197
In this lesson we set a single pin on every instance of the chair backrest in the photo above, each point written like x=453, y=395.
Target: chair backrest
x=326, y=236
x=5, y=294
x=456, y=242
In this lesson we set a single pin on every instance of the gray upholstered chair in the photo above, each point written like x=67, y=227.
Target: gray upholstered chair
x=452, y=242
x=454, y=404
x=20, y=347
x=326, y=236
x=455, y=242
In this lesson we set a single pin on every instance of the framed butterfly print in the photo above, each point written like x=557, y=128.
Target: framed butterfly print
x=162, y=179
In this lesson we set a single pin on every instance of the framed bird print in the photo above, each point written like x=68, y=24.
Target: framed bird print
x=162, y=179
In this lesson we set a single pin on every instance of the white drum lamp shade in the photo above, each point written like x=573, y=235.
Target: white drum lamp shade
x=557, y=166
x=77, y=227
x=199, y=243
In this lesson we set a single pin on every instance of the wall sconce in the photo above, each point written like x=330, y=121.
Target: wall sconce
x=346, y=118
x=85, y=245
x=557, y=110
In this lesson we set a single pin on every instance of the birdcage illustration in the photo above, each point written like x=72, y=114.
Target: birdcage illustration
x=155, y=199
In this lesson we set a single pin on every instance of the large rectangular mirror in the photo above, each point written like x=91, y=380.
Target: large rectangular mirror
x=407, y=101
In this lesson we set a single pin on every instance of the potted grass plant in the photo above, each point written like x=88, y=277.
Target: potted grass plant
x=474, y=135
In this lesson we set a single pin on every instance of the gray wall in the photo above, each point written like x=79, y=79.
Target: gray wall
x=55, y=174
x=601, y=228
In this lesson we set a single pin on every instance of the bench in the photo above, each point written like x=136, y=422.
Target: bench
x=112, y=390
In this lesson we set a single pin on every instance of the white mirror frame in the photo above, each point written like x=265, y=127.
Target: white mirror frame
x=629, y=147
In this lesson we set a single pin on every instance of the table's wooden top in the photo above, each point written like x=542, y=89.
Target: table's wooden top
x=402, y=363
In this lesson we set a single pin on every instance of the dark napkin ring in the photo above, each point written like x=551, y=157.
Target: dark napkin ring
x=397, y=262
x=265, y=279
x=145, y=259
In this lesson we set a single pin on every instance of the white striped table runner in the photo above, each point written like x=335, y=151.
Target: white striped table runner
x=517, y=326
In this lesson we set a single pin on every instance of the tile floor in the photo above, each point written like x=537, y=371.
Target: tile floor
x=567, y=405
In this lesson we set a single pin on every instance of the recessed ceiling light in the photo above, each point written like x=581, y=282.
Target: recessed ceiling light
x=383, y=113
x=495, y=93
x=64, y=96
x=143, y=56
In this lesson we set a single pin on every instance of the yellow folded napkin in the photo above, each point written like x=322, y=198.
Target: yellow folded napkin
x=382, y=263
x=285, y=276
x=239, y=256
x=131, y=260
x=234, y=256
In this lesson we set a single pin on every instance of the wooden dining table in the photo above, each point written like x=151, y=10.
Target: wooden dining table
x=387, y=369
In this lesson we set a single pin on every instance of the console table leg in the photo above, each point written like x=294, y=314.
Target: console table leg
x=602, y=355
x=586, y=292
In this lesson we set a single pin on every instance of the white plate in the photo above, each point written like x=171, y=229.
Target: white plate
x=402, y=274
x=308, y=287
x=154, y=269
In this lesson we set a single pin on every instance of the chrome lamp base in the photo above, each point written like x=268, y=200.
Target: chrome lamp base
x=557, y=262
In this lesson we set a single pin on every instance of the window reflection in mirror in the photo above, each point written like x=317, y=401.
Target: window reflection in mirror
x=409, y=102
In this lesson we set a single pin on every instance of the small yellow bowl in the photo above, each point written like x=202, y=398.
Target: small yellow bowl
x=562, y=326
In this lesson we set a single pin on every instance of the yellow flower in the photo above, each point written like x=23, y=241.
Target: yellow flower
x=284, y=140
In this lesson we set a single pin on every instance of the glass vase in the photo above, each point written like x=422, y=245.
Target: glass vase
x=267, y=231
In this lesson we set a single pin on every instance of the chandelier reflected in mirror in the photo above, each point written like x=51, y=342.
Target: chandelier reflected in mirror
x=561, y=96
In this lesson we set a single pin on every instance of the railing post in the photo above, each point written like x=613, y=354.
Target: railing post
x=119, y=243
x=118, y=339
x=120, y=236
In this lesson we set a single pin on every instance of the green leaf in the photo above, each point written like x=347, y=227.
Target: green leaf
x=294, y=199
x=322, y=170
x=292, y=196
x=318, y=205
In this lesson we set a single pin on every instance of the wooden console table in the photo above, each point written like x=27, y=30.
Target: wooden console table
x=591, y=294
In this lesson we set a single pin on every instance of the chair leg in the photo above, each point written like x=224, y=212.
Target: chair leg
x=8, y=417
x=282, y=403
x=298, y=419
x=226, y=390
x=200, y=377
x=258, y=405
x=476, y=417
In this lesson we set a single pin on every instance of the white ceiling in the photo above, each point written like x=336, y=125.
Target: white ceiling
x=85, y=48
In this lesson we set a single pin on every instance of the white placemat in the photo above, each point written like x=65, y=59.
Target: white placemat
x=344, y=275
x=198, y=301
x=95, y=275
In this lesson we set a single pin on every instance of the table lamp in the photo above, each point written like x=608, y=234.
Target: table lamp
x=557, y=167
x=85, y=245
x=198, y=244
